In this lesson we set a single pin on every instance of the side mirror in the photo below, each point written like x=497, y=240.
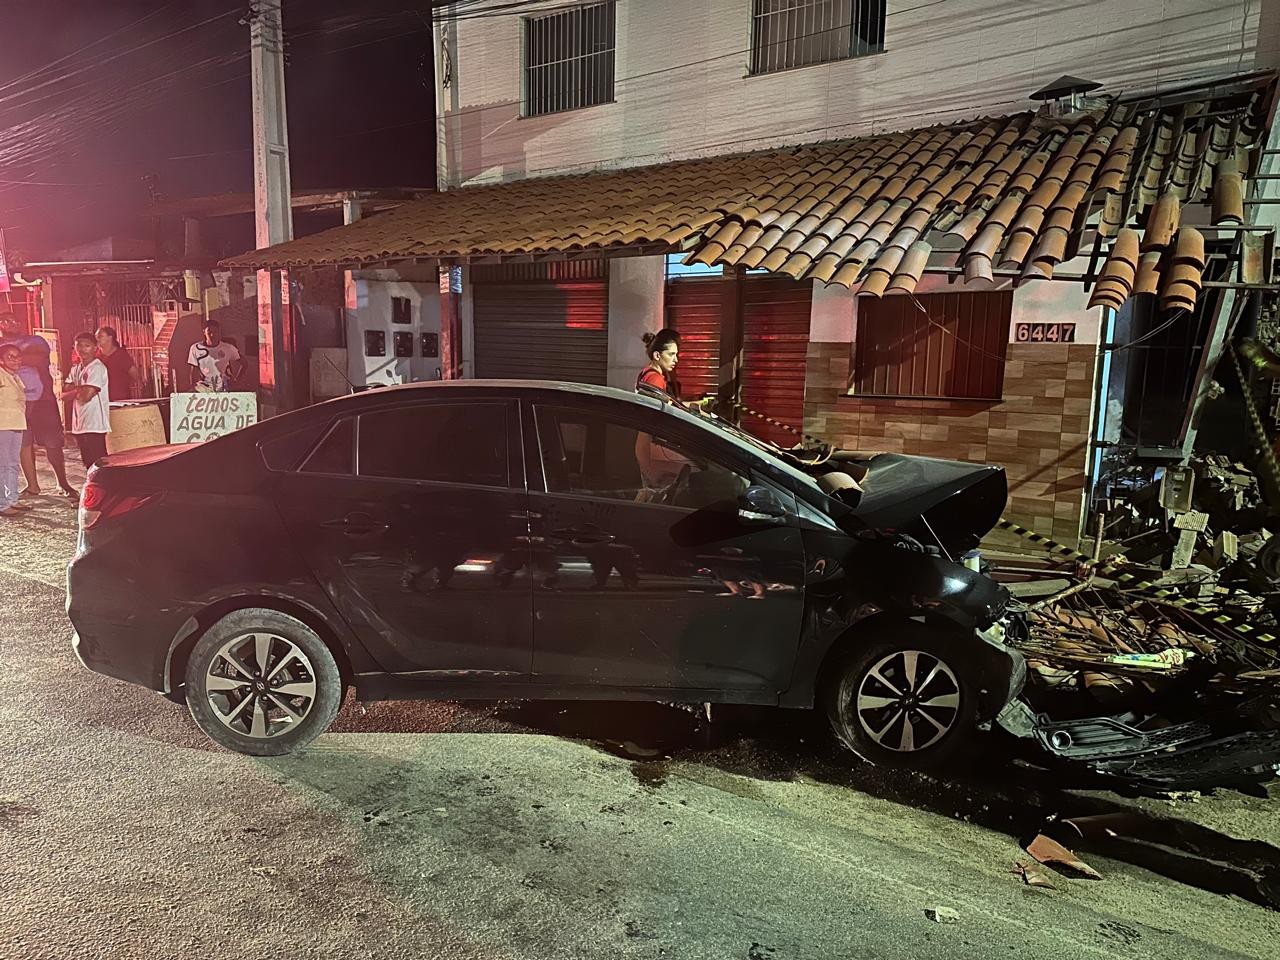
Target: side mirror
x=760, y=505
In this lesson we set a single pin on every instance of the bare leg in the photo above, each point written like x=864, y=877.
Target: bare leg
x=58, y=461
x=28, y=460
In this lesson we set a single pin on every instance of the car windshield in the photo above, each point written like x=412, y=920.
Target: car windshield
x=783, y=458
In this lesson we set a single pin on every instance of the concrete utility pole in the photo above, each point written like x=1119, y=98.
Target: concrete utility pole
x=273, y=208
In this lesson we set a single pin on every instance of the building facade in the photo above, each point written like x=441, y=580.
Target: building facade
x=847, y=208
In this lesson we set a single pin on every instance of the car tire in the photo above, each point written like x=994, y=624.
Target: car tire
x=262, y=709
x=907, y=699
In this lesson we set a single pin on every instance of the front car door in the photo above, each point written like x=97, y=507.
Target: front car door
x=650, y=575
x=413, y=516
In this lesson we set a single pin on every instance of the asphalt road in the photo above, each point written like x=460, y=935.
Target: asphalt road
x=500, y=830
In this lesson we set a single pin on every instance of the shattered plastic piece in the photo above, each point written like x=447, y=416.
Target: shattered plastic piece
x=942, y=915
x=1033, y=875
x=1051, y=853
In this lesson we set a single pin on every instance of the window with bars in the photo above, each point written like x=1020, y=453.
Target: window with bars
x=568, y=59
x=799, y=33
x=941, y=345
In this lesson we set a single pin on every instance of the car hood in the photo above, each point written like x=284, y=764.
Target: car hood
x=959, y=502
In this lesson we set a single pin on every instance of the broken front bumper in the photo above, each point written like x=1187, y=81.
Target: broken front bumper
x=1222, y=749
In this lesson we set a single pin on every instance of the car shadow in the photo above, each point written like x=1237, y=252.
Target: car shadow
x=1002, y=788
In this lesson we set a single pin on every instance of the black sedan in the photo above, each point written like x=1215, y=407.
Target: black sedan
x=529, y=540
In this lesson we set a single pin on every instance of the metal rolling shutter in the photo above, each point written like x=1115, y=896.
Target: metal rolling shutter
x=693, y=311
x=776, y=334
x=542, y=330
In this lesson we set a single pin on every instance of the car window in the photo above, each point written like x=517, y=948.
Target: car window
x=441, y=442
x=335, y=454
x=591, y=455
x=284, y=452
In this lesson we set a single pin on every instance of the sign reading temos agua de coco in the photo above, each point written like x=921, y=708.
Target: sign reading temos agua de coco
x=196, y=417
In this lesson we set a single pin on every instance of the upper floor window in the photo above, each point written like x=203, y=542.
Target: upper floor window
x=568, y=59
x=797, y=33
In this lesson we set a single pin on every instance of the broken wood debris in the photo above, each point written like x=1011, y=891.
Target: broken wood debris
x=1050, y=852
x=1190, y=579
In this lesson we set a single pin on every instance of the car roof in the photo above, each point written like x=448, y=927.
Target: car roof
x=556, y=386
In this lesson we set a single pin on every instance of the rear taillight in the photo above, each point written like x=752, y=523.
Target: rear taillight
x=97, y=505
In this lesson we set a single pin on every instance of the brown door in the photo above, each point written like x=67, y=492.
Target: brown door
x=694, y=311
x=775, y=319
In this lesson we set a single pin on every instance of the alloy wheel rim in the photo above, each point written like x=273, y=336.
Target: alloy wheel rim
x=260, y=685
x=907, y=701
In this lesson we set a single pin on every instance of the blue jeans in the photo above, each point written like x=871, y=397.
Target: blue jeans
x=10, y=451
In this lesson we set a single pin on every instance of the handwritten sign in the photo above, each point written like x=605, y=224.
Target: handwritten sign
x=135, y=425
x=196, y=417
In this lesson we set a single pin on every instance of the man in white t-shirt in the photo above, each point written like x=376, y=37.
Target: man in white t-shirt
x=90, y=410
x=215, y=364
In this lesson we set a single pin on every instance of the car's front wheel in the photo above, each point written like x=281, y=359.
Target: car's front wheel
x=902, y=701
x=263, y=683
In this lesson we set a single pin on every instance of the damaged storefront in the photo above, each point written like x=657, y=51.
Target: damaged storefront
x=1034, y=291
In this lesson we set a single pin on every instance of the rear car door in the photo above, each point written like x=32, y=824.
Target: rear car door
x=413, y=517
x=658, y=578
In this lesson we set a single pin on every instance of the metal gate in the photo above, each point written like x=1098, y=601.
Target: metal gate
x=542, y=330
x=775, y=321
x=694, y=308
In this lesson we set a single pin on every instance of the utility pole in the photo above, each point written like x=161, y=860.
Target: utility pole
x=272, y=202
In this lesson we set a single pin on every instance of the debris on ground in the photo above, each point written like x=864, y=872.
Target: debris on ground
x=1164, y=648
x=1033, y=875
x=942, y=915
x=1179, y=849
x=1051, y=853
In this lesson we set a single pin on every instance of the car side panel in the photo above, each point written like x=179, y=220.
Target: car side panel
x=145, y=574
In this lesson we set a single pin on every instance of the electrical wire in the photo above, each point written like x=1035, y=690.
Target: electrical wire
x=4, y=100
x=959, y=339
x=1176, y=316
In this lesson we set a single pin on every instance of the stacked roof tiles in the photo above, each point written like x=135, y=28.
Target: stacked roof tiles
x=1018, y=195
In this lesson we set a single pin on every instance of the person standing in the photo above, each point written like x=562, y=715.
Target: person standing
x=123, y=377
x=91, y=401
x=13, y=422
x=44, y=421
x=663, y=350
x=215, y=365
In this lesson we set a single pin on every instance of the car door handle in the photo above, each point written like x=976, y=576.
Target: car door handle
x=355, y=525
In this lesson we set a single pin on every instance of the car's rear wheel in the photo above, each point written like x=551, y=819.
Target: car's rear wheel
x=263, y=683
x=903, y=701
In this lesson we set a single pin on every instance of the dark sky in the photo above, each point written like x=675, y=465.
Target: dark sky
x=169, y=96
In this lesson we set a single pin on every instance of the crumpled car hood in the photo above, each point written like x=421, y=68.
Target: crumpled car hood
x=961, y=502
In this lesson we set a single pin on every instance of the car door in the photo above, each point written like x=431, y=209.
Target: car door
x=413, y=517
x=645, y=586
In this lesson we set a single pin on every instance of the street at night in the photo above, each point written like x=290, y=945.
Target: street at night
x=503, y=830
x=575, y=479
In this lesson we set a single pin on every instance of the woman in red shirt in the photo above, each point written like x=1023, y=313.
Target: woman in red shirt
x=663, y=348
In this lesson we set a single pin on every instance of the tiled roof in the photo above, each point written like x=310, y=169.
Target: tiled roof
x=1012, y=193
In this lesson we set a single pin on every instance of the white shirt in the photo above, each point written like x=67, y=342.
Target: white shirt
x=212, y=362
x=94, y=415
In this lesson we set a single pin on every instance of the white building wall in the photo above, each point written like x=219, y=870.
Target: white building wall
x=373, y=290
x=637, y=294
x=682, y=87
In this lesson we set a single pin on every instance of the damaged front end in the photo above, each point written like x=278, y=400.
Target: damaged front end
x=1128, y=684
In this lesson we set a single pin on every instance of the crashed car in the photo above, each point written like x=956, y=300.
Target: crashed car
x=527, y=540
